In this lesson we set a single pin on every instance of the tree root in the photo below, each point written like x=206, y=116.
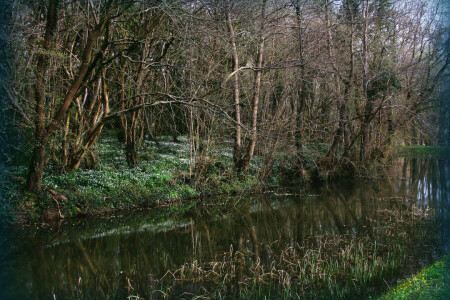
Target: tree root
x=55, y=196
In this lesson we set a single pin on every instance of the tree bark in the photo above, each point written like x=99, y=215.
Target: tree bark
x=447, y=143
x=36, y=169
x=236, y=93
x=132, y=141
x=302, y=93
x=93, y=36
x=342, y=132
x=94, y=133
x=366, y=131
x=256, y=93
x=42, y=135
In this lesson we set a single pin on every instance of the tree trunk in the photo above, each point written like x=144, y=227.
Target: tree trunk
x=94, y=133
x=448, y=128
x=331, y=154
x=65, y=152
x=334, y=144
x=347, y=91
x=342, y=131
x=302, y=94
x=42, y=135
x=236, y=93
x=77, y=158
x=36, y=169
x=86, y=59
x=366, y=131
x=256, y=93
x=132, y=142
x=131, y=146
x=341, y=104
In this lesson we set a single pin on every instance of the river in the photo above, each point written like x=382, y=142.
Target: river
x=127, y=254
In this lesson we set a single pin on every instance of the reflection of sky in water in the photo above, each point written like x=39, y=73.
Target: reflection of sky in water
x=423, y=192
x=425, y=181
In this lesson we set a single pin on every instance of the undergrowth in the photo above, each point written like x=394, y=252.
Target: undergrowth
x=165, y=175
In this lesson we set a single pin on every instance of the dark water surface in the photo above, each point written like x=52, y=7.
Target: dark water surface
x=126, y=254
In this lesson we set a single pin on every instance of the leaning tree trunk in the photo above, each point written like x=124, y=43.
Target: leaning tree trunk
x=97, y=126
x=42, y=134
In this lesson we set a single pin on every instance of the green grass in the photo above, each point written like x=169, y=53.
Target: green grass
x=432, y=282
x=424, y=151
x=162, y=177
x=165, y=174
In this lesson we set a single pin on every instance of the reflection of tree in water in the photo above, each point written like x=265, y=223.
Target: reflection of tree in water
x=134, y=259
x=426, y=182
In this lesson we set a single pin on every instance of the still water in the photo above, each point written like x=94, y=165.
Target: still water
x=128, y=253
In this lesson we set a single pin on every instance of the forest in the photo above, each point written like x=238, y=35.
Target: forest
x=294, y=149
x=306, y=89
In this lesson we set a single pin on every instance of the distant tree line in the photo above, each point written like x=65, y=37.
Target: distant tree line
x=272, y=76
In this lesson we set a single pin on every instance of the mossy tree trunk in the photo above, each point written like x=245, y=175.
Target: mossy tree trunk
x=42, y=132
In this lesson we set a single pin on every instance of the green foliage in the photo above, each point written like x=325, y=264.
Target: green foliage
x=424, y=151
x=432, y=282
x=161, y=178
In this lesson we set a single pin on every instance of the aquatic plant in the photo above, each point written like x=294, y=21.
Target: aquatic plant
x=328, y=265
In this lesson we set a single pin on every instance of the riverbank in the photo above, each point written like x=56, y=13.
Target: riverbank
x=165, y=176
x=424, y=151
x=432, y=282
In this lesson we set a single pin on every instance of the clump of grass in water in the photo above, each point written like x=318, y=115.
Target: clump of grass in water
x=325, y=265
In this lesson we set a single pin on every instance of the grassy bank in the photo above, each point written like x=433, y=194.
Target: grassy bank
x=165, y=175
x=424, y=151
x=432, y=282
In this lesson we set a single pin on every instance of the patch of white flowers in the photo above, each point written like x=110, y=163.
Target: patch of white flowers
x=155, y=167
